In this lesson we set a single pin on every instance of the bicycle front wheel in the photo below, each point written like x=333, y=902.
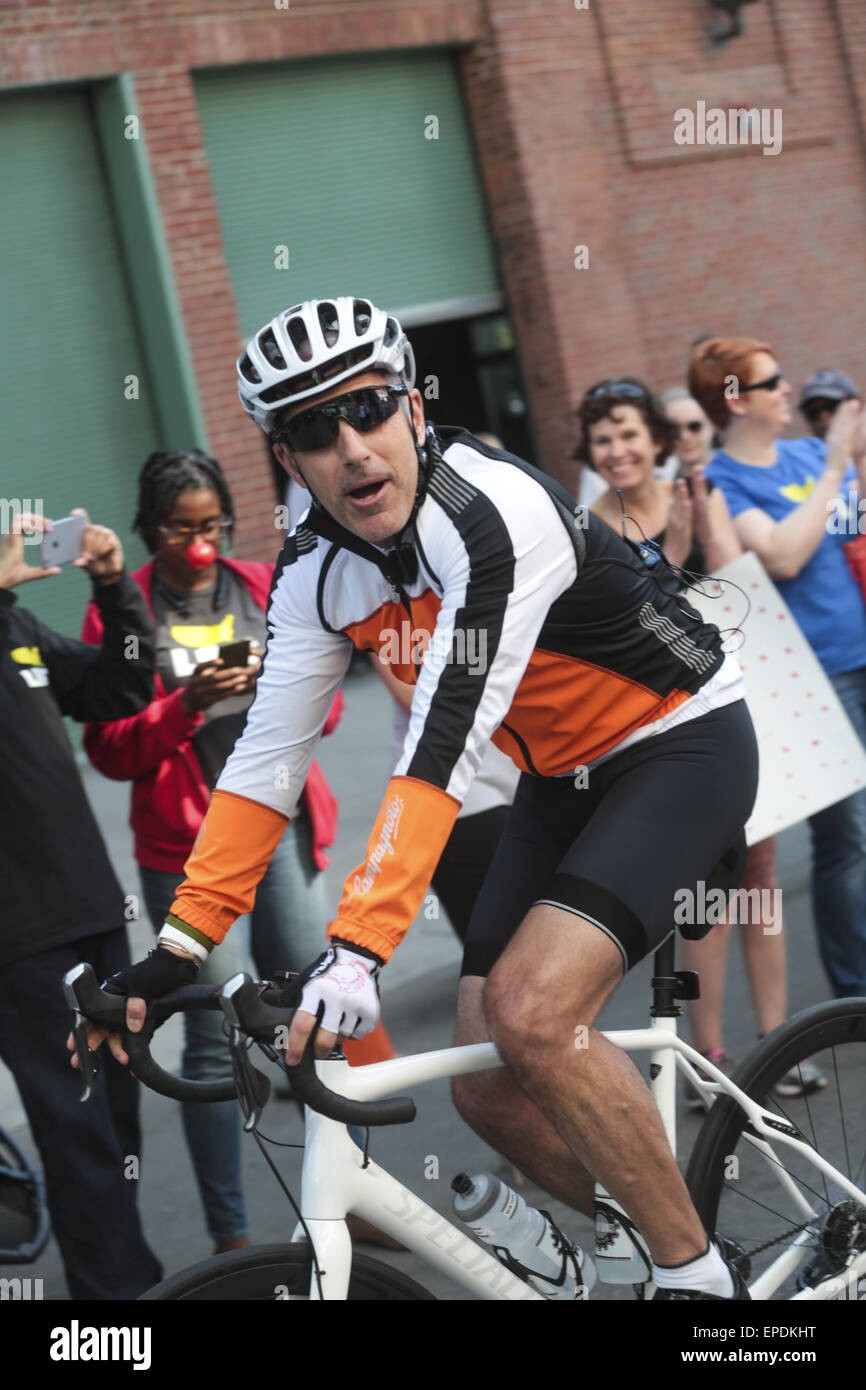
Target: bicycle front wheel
x=268, y=1273
x=770, y=1200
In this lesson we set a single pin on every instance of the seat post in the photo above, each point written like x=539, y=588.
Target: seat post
x=670, y=984
x=665, y=957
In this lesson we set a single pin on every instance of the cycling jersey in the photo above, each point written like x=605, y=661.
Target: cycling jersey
x=516, y=617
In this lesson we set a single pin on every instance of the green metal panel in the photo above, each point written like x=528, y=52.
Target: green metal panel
x=151, y=283
x=73, y=436
x=332, y=160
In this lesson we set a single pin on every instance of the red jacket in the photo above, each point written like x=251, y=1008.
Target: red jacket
x=154, y=750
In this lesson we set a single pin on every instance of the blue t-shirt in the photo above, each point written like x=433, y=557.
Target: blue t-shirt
x=824, y=597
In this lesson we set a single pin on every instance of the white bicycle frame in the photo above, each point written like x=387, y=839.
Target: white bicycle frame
x=337, y=1180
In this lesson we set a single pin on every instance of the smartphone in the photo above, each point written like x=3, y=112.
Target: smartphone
x=235, y=653
x=63, y=542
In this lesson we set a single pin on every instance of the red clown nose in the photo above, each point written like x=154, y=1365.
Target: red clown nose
x=200, y=554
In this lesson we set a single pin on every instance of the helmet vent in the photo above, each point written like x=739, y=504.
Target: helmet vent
x=268, y=345
x=297, y=331
x=363, y=314
x=248, y=370
x=328, y=322
x=392, y=330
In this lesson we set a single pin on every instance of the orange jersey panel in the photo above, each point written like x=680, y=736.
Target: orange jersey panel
x=396, y=638
x=560, y=697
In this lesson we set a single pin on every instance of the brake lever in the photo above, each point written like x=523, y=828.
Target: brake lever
x=253, y=1087
x=79, y=985
x=88, y=1061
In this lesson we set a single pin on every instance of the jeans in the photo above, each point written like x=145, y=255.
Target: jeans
x=284, y=931
x=839, y=864
x=84, y=1149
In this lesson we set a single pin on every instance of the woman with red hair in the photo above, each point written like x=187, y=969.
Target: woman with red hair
x=781, y=494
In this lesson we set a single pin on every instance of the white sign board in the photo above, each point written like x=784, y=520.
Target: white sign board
x=810, y=753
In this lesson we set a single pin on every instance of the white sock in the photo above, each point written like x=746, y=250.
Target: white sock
x=708, y=1273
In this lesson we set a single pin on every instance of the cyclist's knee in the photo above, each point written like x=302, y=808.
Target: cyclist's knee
x=521, y=1019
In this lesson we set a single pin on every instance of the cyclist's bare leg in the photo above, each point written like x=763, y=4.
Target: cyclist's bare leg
x=552, y=980
x=493, y=1104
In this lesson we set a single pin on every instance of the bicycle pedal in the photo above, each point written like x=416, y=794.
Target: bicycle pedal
x=734, y=1254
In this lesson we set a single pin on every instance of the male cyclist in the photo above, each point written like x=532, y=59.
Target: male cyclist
x=605, y=688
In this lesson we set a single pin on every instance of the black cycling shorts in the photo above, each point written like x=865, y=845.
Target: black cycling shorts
x=651, y=821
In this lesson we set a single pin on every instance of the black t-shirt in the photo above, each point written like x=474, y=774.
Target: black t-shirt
x=57, y=882
x=189, y=628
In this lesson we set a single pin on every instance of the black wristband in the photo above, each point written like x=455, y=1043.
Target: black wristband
x=161, y=973
x=359, y=950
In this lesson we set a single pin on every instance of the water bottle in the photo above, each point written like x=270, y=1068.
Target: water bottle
x=620, y=1251
x=525, y=1240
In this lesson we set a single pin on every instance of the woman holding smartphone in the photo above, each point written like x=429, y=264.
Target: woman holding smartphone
x=174, y=751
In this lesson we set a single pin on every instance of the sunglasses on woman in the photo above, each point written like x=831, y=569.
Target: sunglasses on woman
x=771, y=384
x=365, y=410
x=690, y=427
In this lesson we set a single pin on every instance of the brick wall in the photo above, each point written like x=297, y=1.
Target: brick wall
x=572, y=111
x=574, y=115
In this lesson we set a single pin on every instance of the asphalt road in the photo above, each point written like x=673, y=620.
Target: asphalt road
x=419, y=992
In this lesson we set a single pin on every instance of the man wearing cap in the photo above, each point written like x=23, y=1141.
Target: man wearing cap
x=820, y=396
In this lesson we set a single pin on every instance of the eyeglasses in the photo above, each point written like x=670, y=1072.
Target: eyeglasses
x=177, y=531
x=365, y=410
x=692, y=426
x=814, y=409
x=771, y=384
x=618, y=388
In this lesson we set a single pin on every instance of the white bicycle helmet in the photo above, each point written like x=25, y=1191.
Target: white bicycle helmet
x=315, y=345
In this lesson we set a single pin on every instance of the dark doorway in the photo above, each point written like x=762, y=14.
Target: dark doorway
x=468, y=374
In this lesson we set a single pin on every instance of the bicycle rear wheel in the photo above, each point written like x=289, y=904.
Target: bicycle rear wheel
x=268, y=1273
x=770, y=1202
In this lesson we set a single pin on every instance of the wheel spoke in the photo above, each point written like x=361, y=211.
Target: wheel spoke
x=841, y=1114
x=815, y=1145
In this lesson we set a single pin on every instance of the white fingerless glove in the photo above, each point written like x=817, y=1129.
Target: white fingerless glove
x=347, y=982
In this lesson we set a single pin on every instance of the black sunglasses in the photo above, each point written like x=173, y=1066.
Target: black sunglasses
x=769, y=385
x=364, y=409
x=693, y=426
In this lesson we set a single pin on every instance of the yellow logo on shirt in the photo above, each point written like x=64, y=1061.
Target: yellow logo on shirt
x=205, y=636
x=33, y=669
x=798, y=492
x=27, y=656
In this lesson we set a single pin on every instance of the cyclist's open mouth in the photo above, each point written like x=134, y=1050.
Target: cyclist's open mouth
x=369, y=492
